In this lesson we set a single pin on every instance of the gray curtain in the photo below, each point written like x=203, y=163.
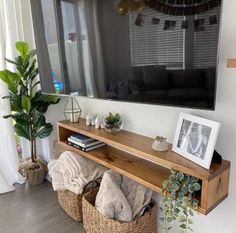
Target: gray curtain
x=96, y=86
x=40, y=40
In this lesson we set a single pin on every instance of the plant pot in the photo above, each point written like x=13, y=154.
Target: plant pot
x=34, y=172
x=113, y=128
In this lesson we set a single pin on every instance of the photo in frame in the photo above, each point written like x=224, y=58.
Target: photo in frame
x=195, y=139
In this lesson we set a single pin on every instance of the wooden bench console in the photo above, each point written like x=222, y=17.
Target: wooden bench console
x=131, y=155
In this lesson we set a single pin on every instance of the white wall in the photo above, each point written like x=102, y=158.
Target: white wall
x=156, y=120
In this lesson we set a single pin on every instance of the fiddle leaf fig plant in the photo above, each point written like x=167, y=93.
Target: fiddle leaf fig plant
x=179, y=201
x=28, y=104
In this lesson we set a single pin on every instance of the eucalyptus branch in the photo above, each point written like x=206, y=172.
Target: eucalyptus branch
x=179, y=200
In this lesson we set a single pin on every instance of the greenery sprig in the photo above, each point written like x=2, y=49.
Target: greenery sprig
x=179, y=201
x=113, y=120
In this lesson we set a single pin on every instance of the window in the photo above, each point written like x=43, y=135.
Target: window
x=206, y=42
x=150, y=44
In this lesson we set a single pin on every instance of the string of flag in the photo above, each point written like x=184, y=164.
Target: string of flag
x=182, y=7
x=171, y=24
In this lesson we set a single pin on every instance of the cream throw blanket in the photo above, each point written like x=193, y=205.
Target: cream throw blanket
x=121, y=198
x=73, y=172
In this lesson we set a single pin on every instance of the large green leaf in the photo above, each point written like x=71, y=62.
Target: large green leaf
x=32, y=53
x=15, y=102
x=22, y=47
x=22, y=131
x=23, y=88
x=44, y=131
x=41, y=102
x=11, y=79
x=39, y=120
x=30, y=70
x=26, y=104
x=10, y=61
x=34, y=74
x=22, y=119
x=52, y=99
x=7, y=116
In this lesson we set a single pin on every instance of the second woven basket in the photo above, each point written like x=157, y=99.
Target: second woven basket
x=95, y=222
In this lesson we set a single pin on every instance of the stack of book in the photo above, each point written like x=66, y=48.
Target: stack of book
x=84, y=143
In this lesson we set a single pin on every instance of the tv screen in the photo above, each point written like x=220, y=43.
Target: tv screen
x=87, y=48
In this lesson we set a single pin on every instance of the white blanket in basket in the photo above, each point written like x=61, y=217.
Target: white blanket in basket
x=120, y=198
x=73, y=172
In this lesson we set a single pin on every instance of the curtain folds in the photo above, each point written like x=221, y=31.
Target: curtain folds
x=93, y=50
x=11, y=30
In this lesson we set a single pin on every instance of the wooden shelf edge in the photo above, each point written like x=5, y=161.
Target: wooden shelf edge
x=159, y=158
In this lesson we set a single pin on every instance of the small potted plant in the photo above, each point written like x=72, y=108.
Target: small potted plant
x=28, y=106
x=113, y=122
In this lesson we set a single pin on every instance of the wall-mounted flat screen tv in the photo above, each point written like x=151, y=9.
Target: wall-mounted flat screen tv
x=86, y=48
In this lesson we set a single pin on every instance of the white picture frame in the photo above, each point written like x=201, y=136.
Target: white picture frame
x=195, y=139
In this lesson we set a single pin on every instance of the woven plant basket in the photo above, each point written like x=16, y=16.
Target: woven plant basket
x=35, y=173
x=95, y=222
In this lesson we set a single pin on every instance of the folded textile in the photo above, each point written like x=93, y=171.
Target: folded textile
x=73, y=172
x=120, y=198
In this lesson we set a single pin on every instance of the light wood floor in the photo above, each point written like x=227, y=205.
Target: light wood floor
x=34, y=210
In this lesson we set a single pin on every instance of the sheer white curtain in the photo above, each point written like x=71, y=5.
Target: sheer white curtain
x=13, y=27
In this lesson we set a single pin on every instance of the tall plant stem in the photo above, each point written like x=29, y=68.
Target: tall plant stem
x=32, y=142
x=34, y=149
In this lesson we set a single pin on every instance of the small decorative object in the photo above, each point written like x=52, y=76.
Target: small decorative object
x=97, y=122
x=28, y=106
x=93, y=120
x=213, y=20
x=88, y=120
x=199, y=25
x=160, y=144
x=184, y=24
x=72, y=111
x=180, y=192
x=195, y=139
x=102, y=125
x=113, y=122
x=169, y=25
x=140, y=20
x=155, y=21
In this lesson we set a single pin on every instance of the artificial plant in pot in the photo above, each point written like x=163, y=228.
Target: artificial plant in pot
x=28, y=106
x=113, y=122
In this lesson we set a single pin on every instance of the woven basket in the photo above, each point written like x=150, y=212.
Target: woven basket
x=34, y=172
x=58, y=150
x=95, y=222
x=71, y=203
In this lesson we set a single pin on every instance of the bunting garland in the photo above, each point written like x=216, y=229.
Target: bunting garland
x=199, y=24
x=182, y=7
